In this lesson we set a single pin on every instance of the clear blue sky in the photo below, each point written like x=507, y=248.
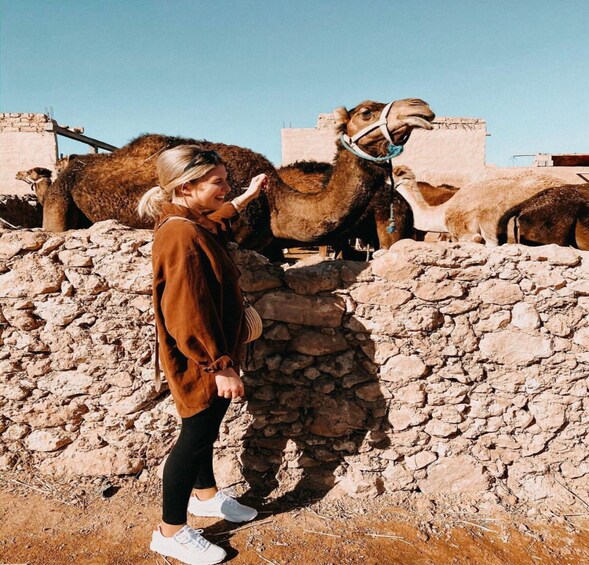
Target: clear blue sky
x=236, y=71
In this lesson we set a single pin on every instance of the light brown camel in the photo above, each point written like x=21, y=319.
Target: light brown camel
x=557, y=215
x=108, y=186
x=474, y=212
x=38, y=178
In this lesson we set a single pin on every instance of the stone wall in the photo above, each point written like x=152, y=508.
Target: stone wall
x=438, y=367
x=26, y=141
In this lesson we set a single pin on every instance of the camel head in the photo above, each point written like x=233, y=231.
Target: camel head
x=403, y=173
x=39, y=179
x=374, y=127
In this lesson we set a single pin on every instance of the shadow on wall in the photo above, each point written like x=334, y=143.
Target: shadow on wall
x=316, y=403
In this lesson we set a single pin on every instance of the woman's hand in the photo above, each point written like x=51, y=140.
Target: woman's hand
x=258, y=183
x=229, y=384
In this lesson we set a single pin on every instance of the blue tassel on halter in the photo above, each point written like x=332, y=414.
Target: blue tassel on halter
x=394, y=151
x=391, y=227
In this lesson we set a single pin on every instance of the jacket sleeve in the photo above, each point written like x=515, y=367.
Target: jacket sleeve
x=190, y=314
x=226, y=212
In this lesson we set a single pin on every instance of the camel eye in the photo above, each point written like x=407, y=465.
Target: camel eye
x=366, y=113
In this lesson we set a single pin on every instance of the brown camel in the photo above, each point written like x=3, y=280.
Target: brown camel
x=108, y=186
x=312, y=176
x=558, y=215
x=474, y=212
x=38, y=178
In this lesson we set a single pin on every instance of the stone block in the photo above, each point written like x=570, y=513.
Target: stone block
x=461, y=474
x=514, y=348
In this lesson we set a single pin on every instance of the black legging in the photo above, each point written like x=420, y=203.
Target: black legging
x=190, y=463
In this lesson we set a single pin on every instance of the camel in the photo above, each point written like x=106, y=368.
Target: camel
x=38, y=178
x=557, y=215
x=371, y=229
x=108, y=186
x=473, y=213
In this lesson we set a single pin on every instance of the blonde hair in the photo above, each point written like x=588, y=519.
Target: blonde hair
x=173, y=171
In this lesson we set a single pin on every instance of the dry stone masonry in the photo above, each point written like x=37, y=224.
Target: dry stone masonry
x=439, y=368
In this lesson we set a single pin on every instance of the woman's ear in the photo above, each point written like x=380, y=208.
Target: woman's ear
x=183, y=189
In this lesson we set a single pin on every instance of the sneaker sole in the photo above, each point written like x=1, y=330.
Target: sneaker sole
x=218, y=515
x=201, y=562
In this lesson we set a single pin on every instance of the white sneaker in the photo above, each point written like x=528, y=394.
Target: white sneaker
x=221, y=506
x=187, y=546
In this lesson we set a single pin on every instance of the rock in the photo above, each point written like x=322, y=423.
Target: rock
x=525, y=317
x=317, y=343
x=393, y=267
x=13, y=391
x=31, y=276
x=380, y=293
x=295, y=362
x=59, y=311
x=106, y=461
x=433, y=292
x=15, y=432
x=124, y=273
x=47, y=440
x=86, y=283
x=66, y=383
x=420, y=460
x=380, y=352
x=405, y=417
x=306, y=310
x=412, y=395
x=555, y=255
x=12, y=243
x=402, y=369
x=369, y=392
x=333, y=418
x=548, y=411
x=74, y=259
x=581, y=337
x=312, y=279
x=511, y=347
x=397, y=478
x=8, y=461
x=461, y=474
x=499, y=292
x=438, y=428
x=574, y=471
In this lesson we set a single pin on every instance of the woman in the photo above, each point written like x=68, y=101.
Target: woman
x=199, y=318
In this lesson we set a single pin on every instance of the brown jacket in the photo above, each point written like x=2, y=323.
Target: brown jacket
x=197, y=301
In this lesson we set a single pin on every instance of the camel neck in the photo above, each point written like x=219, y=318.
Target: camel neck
x=425, y=217
x=333, y=210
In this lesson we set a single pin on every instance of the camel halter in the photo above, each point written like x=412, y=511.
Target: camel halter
x=32, y=183
x=350, y=143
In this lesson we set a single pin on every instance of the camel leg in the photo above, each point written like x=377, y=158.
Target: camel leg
x=582, y=234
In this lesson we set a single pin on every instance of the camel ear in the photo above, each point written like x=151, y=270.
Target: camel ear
x=341, y=115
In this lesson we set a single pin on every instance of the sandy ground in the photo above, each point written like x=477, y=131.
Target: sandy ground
x=44, y=523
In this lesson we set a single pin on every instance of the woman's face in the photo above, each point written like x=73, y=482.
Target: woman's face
x=208, y=192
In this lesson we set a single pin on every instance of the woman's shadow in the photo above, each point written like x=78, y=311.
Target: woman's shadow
x=315, y=419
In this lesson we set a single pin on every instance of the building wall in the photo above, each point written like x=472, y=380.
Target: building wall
x=26, y=141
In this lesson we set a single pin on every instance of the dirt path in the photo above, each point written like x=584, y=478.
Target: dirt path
x=39, y=529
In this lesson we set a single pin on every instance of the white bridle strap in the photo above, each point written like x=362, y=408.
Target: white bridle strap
x=381, y=124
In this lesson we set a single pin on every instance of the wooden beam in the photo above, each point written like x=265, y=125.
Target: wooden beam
x=83, y=138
